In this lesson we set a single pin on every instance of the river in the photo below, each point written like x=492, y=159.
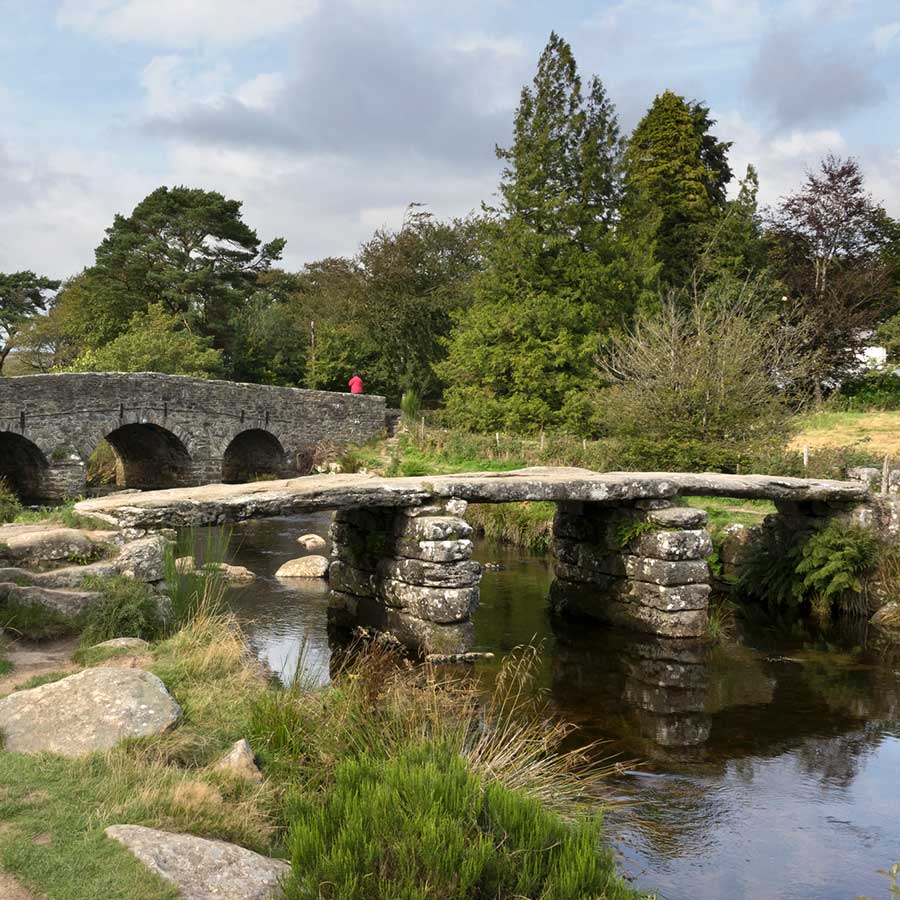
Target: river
x=770, y=766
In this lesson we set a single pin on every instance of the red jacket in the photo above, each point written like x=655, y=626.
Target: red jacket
x=355, y=384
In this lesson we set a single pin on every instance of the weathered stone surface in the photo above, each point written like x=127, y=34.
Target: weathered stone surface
x=123, y=643
x=433, y=528
x=343, y=609
x=221, y=503
x=203, y=869
x=667, y=598
x=312, y=542
x=241, y=762
x=143, y=559
x=304, y=567
x=66, y=602
x=441, y=605
x=668, y=572
x=234, y=575
x=415, y=571
x=434, y=551
x=346, y=579
x=55, y=544
x=92, y=710
x=679, y=517
x=451, y=507
x=65, y=577
x=888, y=616
x=735, y=540
x=673, y=545
x=429, y=637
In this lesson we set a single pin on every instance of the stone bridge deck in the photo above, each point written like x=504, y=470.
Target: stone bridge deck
x=401, y=548
x=217, y=503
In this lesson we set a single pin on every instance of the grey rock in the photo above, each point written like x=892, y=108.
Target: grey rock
x=346, y=579
x=312, y=542
x=65, y=577
x=240, y=762
x=679, y=517
x=673, y=545
x=143, y=559
x=888, y=616
x=666, y=598
x=53, y=544
x=442, y=605
x=91, y=710
x=425, y=637
x=434, y=551
x=68, y=603
x=304, y=567
x=736, y=538
x=123, y=643
x=666, y=572
x=203, y=869
x=434, y=528
x=428, y=574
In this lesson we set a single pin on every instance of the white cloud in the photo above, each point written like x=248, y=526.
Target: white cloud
x=807, y=144
x=262, y=91
x=883, y=36
x=179, y=23
x=171, y=83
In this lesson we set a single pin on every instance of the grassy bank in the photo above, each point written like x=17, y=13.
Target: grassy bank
x=877, y=432
x=391, y=782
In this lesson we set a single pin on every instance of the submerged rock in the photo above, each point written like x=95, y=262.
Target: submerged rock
x=200, y=868
x=91, y=710
x=304, y=567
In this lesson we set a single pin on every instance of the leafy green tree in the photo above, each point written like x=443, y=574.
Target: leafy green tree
x=156, y=341
x=521, y=353
x=23, y=296
x=185, y=248
x=675, y=166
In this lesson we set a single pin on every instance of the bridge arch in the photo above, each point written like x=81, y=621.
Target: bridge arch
x=23, y=466
x=149, y=456
x=252, y=453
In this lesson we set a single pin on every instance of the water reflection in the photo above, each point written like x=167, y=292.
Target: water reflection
x=770, y=766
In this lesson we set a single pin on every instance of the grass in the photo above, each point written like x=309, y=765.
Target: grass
x=125, y=608
x=525, y=525
x=61, y=515
x=724, y=511
x=878, y=431
x=37, y=623
x=38, y=680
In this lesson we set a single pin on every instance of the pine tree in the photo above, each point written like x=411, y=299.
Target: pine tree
x=676, y=167
x=520, y=354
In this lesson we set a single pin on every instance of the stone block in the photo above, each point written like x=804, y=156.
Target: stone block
x=679, y=517
x=425, y=637
x=666, y=572
x=673, y=545
x=428, y=574
x=452, y=506
x=434, y=551
x=442, y=605
x=349, y=580
x=668, y=598
x=433, y=528
x=735, y=540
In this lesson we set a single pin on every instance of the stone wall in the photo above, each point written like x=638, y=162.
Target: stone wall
x=408, y=571
x=641, y=565
x=169, y=431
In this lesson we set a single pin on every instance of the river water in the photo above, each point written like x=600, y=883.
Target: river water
x=770, y=766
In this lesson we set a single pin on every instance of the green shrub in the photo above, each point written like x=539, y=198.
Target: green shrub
x=874, y=391
x=422, y=825
x=125, y=608
x=35, y=622
x=10, y=505
x=410, y=406
x=525, y=525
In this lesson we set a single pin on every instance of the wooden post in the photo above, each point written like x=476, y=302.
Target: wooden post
x=885, y=476
x=542, y=440
x=805, y=458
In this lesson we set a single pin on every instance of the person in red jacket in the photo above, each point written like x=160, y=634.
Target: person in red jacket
x=355, y=384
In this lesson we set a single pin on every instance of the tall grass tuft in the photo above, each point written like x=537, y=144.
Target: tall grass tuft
x=202, y=589
x=125, y=608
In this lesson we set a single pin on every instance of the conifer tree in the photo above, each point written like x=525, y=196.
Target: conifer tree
x=521, y=352
x=675, y=167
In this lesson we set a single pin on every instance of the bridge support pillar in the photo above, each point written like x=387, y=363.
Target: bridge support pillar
x=641, y=566
x=63, y=479
x=408, y=571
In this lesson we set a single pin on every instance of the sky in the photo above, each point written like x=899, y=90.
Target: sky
x=327, y=117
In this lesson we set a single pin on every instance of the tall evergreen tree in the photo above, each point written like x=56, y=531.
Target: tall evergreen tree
x=675, y=167
x=520, y=354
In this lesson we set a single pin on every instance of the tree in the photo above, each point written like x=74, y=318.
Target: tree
x=702, y=381
x=834, y=250
x=23, y=296
x=675, y=167
x=185, y=248
x=156, y=341
x=520, y=354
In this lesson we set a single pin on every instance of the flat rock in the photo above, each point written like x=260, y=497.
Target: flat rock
x=312, y=542
x=122, y=643
x=65, y=577
x=200, y=868
x=66, y=602
x=679, y=517
x=304, y=567
x=52, y=544
x=240, y=761
x=91, y=710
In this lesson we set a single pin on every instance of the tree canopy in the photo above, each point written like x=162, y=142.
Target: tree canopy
x=23, y=295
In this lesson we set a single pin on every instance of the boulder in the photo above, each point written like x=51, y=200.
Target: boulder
x=123, y=643
x=304, y=567
x=312, y=542
x=91, y=710
x=143, y=559
x=203, y=869
x=67, y=603
x=65, y=577
x=241, y=762
x=236, y=574
x=185, y=565
x=888, y=616
x=55, y=544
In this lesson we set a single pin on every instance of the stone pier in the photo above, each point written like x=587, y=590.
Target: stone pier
x=408, y=570
x=641, y=565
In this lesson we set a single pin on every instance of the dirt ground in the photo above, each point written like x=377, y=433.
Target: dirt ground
x=37, y=659
x=10, y=889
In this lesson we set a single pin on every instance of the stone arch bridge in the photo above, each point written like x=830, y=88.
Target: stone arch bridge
x=626, y=552
x=165, y=430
